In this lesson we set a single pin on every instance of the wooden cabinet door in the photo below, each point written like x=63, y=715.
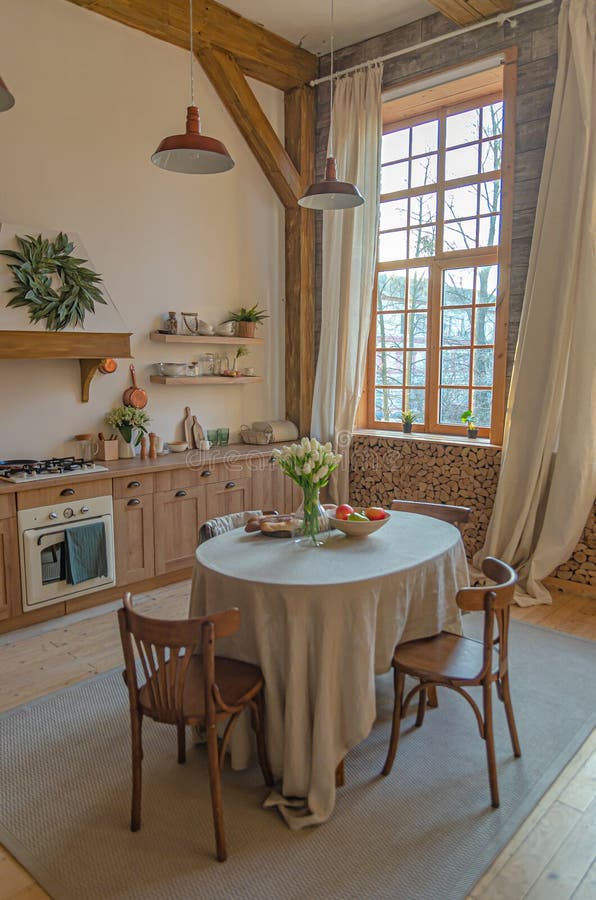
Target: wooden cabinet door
x=10, y=583
x=133, y=537
x=228, y=497
x=271, y=489
x=178, y=515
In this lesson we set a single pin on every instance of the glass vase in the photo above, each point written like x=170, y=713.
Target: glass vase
x=311, y=519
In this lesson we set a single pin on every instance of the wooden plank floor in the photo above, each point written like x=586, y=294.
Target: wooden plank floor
x=551, y=857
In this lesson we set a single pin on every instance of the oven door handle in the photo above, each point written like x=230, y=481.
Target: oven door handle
x=62, y=530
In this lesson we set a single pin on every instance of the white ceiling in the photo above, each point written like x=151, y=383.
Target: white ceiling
x=307, y=22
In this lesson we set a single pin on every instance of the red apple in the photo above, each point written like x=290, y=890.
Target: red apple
x=374, y=513
x=343, y=511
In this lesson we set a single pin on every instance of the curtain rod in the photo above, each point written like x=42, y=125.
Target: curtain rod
x=499, y=19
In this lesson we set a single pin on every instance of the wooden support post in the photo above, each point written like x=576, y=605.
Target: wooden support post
x=300, y=262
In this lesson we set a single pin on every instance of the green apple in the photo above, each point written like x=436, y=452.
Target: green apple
x=357, y=517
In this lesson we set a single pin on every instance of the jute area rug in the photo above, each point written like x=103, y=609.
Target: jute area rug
x=427, y=831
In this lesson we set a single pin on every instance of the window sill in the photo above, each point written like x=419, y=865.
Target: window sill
x=429, y=438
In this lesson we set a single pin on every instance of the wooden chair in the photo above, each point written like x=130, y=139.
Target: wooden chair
x=222, y=524
x=458, y=663
x=183, y=687
x=457, y=515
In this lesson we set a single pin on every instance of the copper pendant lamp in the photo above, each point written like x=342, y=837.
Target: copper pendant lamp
x=331, y=193
x=192, y=153
x=6, y=98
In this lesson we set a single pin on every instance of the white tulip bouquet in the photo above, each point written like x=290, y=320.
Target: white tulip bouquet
x=310, y=465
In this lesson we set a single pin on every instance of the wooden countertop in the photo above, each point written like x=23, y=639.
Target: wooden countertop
x=136, y=466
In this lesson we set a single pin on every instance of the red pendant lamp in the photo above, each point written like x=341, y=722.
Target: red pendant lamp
x=6, y=98
x=331, y=193
x=192, y=153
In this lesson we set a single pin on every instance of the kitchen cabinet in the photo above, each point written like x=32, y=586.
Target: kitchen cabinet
x=10, y=585
x=272, y=489
x=133, y=524
x=178, y=515
x=228, y=497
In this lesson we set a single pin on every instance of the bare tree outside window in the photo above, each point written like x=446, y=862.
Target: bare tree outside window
x=438, y=270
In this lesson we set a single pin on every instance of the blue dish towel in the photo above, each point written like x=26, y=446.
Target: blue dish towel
x=85, y=552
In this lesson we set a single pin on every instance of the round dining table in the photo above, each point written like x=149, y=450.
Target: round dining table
x=322, y=623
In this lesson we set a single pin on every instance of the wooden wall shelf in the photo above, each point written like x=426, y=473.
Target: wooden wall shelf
x=91, y=349
x=200, y=380
x=202, y=339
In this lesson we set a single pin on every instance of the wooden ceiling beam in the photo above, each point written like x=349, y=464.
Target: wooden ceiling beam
x=259, y=53
x=236, y=95
x=466, y=12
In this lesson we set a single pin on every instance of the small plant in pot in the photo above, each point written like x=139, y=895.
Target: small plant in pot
x=247, y=320
x=407, y=420
x=469, y=420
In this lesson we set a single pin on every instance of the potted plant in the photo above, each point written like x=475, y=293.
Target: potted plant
x=247, y=319
x=240, y=352
x=407, y=419
x=469, y=420
x=131, y=423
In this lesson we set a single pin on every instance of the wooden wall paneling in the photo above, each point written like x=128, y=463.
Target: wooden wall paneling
x=260, y=53
x=300, y=262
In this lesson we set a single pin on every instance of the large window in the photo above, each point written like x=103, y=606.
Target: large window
x=438, y=335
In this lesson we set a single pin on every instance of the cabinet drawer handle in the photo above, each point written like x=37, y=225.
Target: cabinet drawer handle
x=205, y=473
x=133, y=502
x=181, y=493
x=67, y=492
x=231, y=484
x=132, y=484
x=272, y=459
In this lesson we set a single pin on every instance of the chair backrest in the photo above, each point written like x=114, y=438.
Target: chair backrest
x=222, y=524
x=495, y=601
x=165, y=648
x=457, y=515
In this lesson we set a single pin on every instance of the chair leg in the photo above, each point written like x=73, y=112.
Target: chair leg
x=258, y=723
x=490, y=742
x=421, y=707
x=181, y=743
x=398, y=681
x=510, y=717
x=340, y=775
x=432, y=698
x=215, y=788
x=137, y=770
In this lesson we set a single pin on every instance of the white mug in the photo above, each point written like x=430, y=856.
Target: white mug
x=204, y=445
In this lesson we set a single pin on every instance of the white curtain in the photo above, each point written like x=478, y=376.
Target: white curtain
x=349, y=258
x=548, y=477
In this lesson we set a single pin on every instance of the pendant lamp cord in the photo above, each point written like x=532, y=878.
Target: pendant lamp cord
x=192, y=55
x=330, y=152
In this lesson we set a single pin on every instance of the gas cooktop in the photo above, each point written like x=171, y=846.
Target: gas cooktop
x=21, y=470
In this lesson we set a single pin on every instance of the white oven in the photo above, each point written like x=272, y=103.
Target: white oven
x=42, y=546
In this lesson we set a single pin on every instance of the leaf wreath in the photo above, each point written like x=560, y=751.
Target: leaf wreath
x=36, y=262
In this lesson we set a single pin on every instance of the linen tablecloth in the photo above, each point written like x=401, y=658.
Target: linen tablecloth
x=321, y=623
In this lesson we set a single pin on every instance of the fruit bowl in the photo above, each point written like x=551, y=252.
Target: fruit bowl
x=357, y=529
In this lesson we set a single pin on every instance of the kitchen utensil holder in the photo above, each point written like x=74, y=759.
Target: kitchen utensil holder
x=107, y=449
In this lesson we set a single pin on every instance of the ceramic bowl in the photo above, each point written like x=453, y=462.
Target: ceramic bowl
x=171, y=370
x=226, y=329
x=177, y=446
x=357, y=529
x=205, y=328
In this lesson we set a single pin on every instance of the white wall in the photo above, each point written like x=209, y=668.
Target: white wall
x=93, y=100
